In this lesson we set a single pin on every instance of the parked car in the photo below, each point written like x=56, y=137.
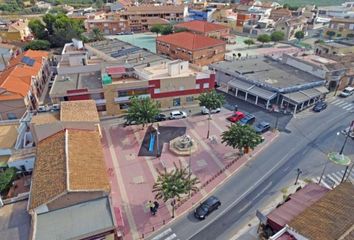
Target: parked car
x=206, y=111
x=129, y=122
x=248, y=119
x=207, y=207
x=237, y=116
x=262, y=127
x=160, y=117
x=347, y=92
x=319, y=106
x=177, y=114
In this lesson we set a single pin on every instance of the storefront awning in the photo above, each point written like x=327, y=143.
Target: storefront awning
x=322, y=89
x=252, y=89
x=305, y=95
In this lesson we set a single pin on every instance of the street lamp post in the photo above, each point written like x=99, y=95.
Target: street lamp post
x=298, y=175
x=157, y=141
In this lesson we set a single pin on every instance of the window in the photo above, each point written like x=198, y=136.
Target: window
x=157, y=90
x=205, y=85
x=197, y=86
x=123, y=93
x=176, y=102
x=11, y=116
x=190, y=99
x=101, y=108
x=124, y=106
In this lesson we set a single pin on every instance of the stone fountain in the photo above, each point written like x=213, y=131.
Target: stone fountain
x=183, y=145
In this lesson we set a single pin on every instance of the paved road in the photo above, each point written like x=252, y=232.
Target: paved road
x=303, y=143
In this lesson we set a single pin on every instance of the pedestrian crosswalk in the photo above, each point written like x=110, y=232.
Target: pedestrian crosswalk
x=168, y=234
x=332, y=180
x=347, y=106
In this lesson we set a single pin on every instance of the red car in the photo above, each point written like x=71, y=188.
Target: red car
x=236, y=117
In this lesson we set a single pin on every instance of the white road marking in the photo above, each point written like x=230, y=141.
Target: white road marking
x=173, y=236
x=348, y=106
x=163, y=234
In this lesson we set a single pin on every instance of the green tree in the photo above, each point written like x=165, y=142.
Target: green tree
x=299, y=35
x=181, y=30
x=277, y=36
x=38, y=45
x=241, y=137
x=174, y=185
x=49, y=20
x=166, y=29
x=99, y=4
x=350, y=35
x=38, y=29
x=6, y=179
x=263, y=38
x=156, y=29
x=249, y=42
x=211, y=100
x=142, y=110
x=97, y=34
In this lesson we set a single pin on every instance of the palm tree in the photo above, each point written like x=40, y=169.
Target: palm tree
x=241, y=137
x=142, y=110
x=211, y=100
x=174, y=185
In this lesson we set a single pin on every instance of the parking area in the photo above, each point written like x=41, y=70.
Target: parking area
x=132, y=176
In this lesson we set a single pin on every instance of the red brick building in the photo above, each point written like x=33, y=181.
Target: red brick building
x=205, y=28
x=194, y=48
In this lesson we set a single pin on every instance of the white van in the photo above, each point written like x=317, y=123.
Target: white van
x=347, y=92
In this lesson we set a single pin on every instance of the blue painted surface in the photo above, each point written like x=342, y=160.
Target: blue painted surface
x=152, y=142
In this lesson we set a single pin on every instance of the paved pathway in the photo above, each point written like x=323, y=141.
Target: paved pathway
x=132, y=176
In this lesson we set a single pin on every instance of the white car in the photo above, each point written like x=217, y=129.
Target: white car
x=347, y=92
x=177, y=114
x=206, y=111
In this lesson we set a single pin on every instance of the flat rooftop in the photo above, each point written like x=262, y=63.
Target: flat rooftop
x=66, y=82
x=266, y=71
x=314, y=59
x=15, y=221
x=124, y=53
x=340, y=44
x=8, y=135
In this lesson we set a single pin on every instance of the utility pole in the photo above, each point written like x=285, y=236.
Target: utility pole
x=298, y=174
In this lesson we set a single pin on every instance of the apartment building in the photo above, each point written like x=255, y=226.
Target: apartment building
x=173, y=84
x=337, y=47
x=140, y=18
x=109, y=23
x=79, y=76
x=204, y=28
x=22, y=83
x=340, y=28
x=195, y=48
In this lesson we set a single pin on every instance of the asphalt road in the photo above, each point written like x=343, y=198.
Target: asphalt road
x=303, y=143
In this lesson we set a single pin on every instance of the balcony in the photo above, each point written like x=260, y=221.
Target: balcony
x=127, y=98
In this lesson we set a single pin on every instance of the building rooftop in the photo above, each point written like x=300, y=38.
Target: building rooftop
x=329, y=218
x=343, y=20
x=201, y=26
x=313, y=59
x=8, y=135
x=79, y=111
x=75, y=81
x=60, y=160
x=15, y=221
x=45, y=118
x=142, y=9
x=339, y=44
x=16, y=79
x=75, y=222
x=190, y=41
x=121, y=53
x=267, y=72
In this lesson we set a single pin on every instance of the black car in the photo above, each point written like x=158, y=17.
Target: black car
x=262, y=127
x=248, y=119
x=319, y=106
x=206, y=207
x=160, y=117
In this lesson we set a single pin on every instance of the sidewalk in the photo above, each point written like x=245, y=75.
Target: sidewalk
x=133, y=176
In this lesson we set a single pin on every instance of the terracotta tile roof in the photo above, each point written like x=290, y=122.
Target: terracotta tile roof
x=90, y=155
x=156, y=20
x=329, y=218
x=59, y=166
x=16, y=79
x=201, y=26
x=190, y=41
x=49, y=175
x=8, y=135
x=79, y=111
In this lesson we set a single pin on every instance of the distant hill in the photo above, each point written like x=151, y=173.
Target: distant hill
x=317, y=2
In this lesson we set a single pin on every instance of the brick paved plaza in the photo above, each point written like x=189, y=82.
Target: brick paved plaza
x=132, y=176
